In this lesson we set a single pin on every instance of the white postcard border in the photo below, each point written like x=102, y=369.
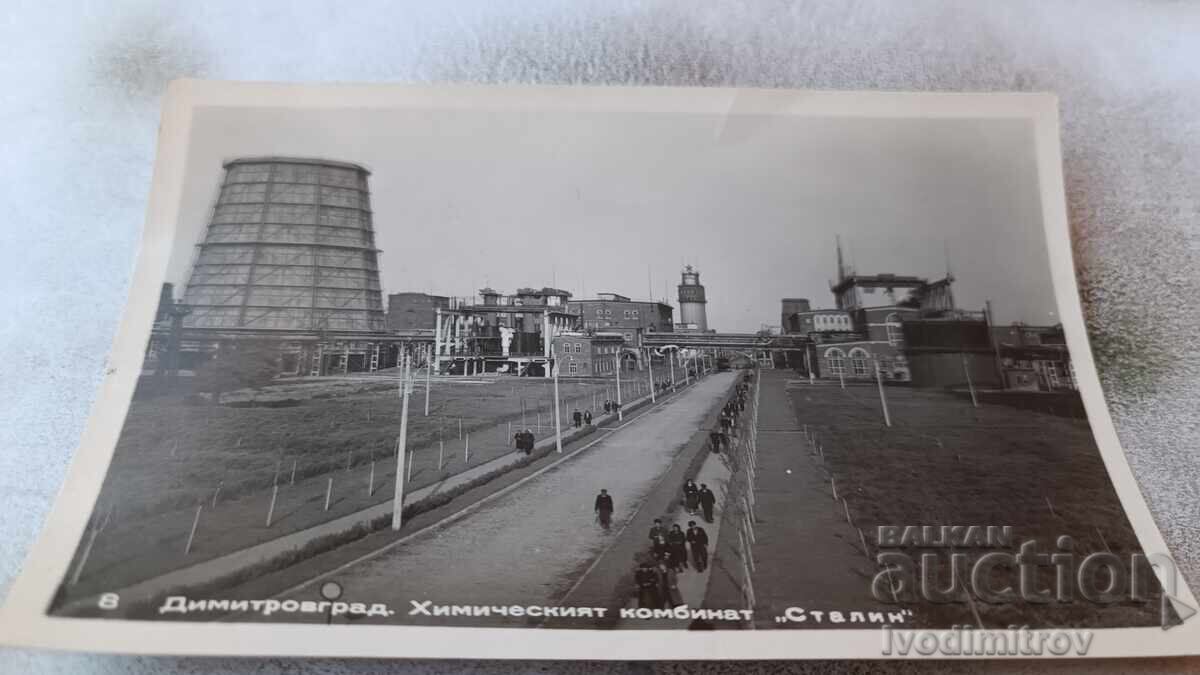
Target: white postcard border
x=23, y=620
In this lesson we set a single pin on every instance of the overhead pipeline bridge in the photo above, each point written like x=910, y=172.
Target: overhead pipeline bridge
x=730, y=341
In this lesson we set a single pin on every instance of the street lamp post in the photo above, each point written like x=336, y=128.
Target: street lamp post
x=398, y=499
x=671, y=362
x=650, y=369
x=557, y=413
x=620, y=415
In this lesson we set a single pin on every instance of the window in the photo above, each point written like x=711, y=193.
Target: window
x=858, y=361
x=578, y=347
x=1051, y=370
x=895, y=334
x=635, y=314
x=572, y=368
x=835, y=359
x=608, y=312
x=626, y=314
x=599, y=312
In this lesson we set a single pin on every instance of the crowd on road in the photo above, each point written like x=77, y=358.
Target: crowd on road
x=657, y=573
x=731, y=412
x=674, y=550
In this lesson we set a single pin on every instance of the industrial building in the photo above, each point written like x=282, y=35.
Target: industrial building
x=906, y=326
x=502, y=333
x=414, y=311
x=1035, y=357
x=587, y=354
x=632, y=319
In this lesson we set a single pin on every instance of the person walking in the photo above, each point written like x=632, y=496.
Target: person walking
x=658, y=539
x=604, y=508
x=677, y=545
x=691, y=496
x=645, y=578
x=707, y=500
x=587, y=417
x=714, y=437
x=577, y=418
x=668, y=584
x=607, y=406
x=528, y=442
x=697, y=540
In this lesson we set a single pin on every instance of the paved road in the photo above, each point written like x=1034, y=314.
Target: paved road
x=529, y=546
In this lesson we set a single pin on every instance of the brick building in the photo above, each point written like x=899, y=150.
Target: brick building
x=580, y=354
x=632, y=319
x=414, y=311
x=907, y=325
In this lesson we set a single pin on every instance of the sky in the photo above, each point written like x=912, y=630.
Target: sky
x=619, y=202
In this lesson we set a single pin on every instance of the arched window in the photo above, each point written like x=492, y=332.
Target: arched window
x=858, y=361
x=836, y=360
x=895, y=334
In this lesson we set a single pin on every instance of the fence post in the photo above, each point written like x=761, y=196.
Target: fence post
x=191, y=535
x=887, y=419
x=271, y=510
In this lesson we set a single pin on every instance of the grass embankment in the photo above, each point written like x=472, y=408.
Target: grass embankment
x=175, y=457
x=944, y=462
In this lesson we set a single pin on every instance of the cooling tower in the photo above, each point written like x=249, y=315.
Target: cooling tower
x=290, y=249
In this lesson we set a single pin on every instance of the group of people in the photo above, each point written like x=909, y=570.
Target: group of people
x=699, y=499
x=581, y=418
x=657, y=574
x=611, y=406
x=730, y=414
x=523, y=441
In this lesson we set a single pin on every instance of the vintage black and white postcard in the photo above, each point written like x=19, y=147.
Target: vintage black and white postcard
x=555, y=372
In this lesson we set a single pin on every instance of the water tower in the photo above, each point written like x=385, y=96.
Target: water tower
x=692, y=312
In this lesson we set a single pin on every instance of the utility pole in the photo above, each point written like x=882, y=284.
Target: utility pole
x=650, y=369
x=671, y=363
x=428, y=378
x=557, y=413
x=620, y=415
x=398, y=499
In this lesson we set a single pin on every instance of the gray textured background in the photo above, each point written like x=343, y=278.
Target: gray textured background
x=80, y=108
